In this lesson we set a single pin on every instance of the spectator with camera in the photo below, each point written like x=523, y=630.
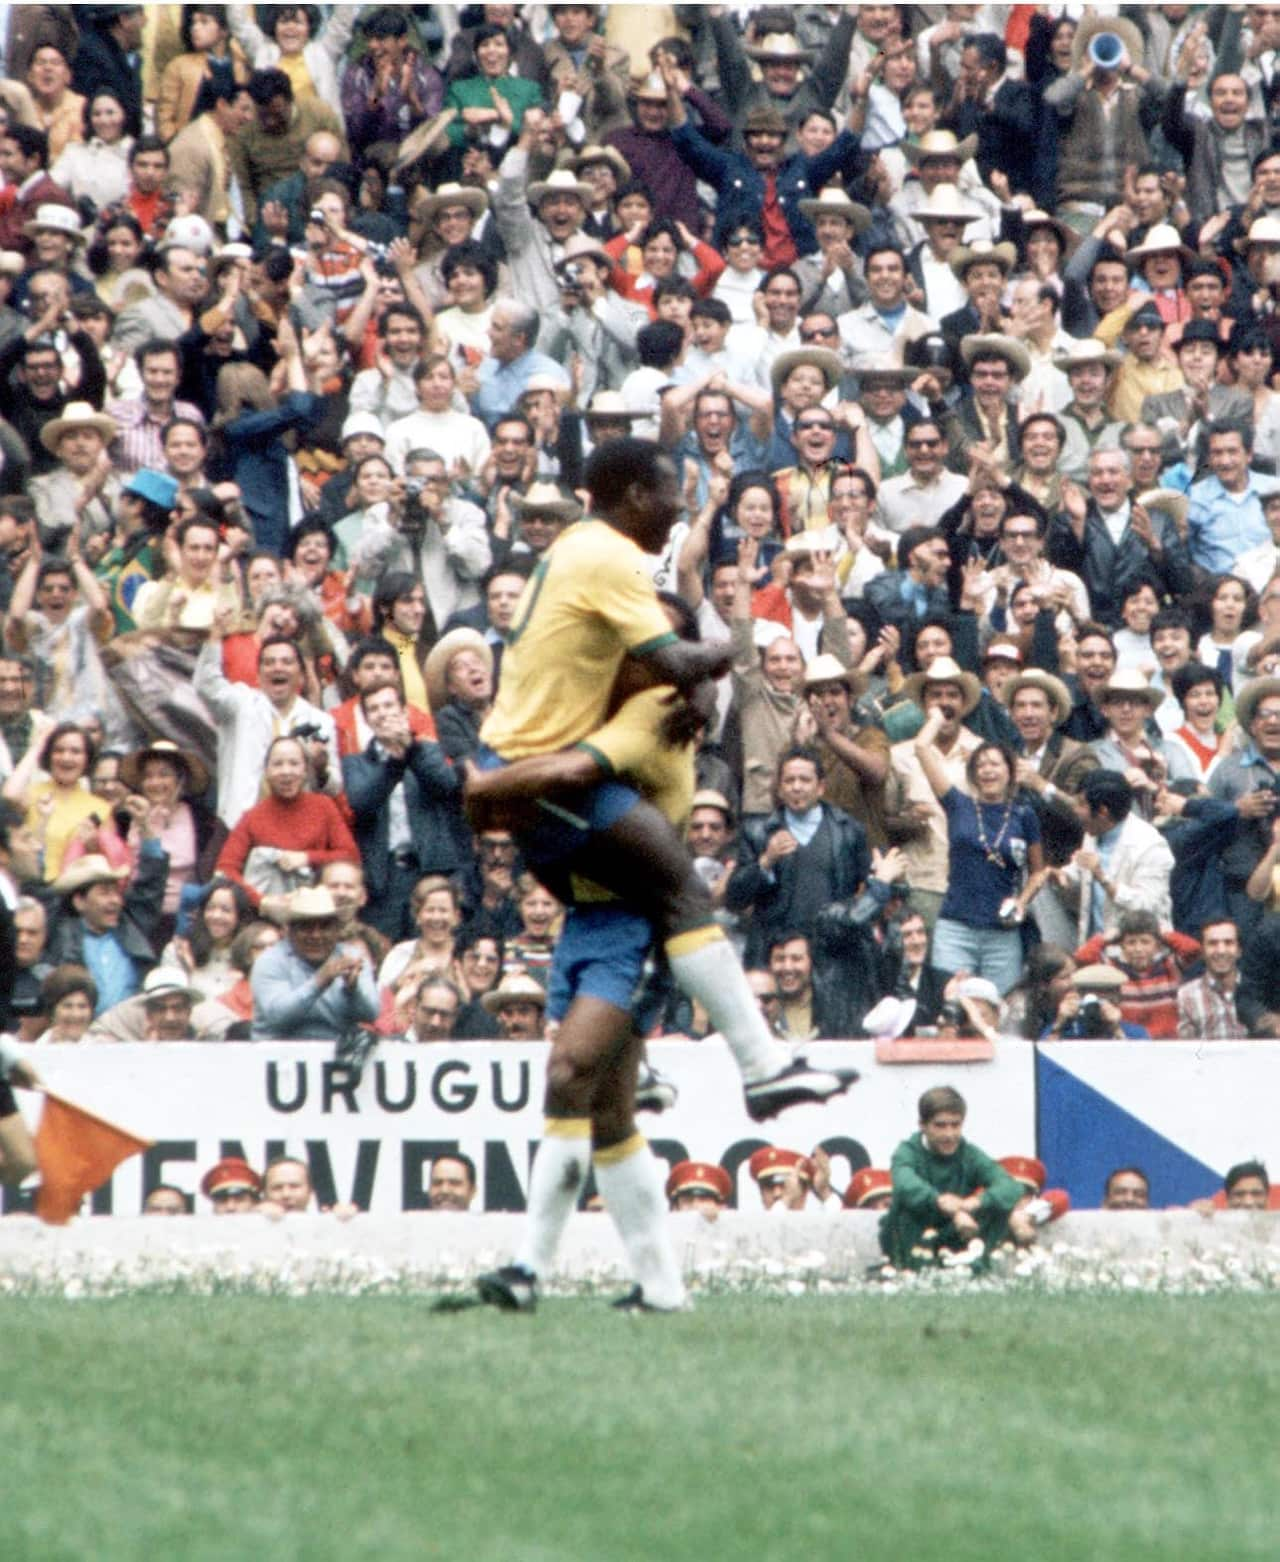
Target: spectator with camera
x=1090, y=1010
x=1152, y=962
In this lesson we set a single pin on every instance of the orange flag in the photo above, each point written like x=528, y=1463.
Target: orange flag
x=77, y=1152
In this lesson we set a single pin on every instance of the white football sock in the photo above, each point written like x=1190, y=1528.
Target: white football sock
x=632, y=1189
x=555, y=1186
x=706, y=967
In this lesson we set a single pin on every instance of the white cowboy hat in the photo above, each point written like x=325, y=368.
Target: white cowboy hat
x=608, y=404
x=944, y=203
x=313, y=903
x=1168, y=501
x=54, y=218
x=165, y=982
x=830, y=669
x=1162, y=239
x=560, y=181
x=781, y=46
x=1087, y=350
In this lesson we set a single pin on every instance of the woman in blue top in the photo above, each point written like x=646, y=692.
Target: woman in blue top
x=996, y=861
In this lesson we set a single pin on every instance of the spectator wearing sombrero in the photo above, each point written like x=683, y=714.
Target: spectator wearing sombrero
x=944, y=215
x=541, y=513
x=107, y=927
x=650, y=151
x=981, y=268
x=763, y=187
x=459, y=674
x=793, y=81
x=831, y=278
x=77, y=439
x=1101, y=118
x=171, y=783
x=988, y=416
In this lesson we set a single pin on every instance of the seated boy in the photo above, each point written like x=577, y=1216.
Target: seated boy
x=947, y=1193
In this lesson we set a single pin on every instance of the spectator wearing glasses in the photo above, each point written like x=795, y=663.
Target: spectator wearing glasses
x=1257, y=566
x=742, y=277
x=922, y=494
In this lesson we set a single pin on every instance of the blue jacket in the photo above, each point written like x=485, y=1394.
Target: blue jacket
x=741, y=186
x=432, y=789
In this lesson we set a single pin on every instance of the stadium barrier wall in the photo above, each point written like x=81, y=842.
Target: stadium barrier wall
x=1183, y=1111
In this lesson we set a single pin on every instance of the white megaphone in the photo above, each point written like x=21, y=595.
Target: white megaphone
x=1105, y=50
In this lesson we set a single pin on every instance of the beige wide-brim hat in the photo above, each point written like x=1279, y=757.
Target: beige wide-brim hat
x=982, y=252
x=1162, y=239
x=475, y=200
x=603, y=154
x=516, y=988
x=92, y=868
x=651, y=86
x=1035, y=218
x=313, y=903
x=1128, y=680
x=944, y=670
x=884, y=366
x=131, y=766
x=547, y=501
x=996, y=345
x=830, y=669
x=834, y=201
x=1058, y=694
x=939, y=143
x=609, y=406
x=560, y=182
x=1124, y=29
x=1087, y=350
x=826, y=362
x=1247, y=700
x=435, y=671
x=1168, y=501
x=76, y=415
x=427, y=135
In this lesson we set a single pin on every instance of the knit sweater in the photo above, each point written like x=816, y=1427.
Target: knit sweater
x=1149, y=999
x=311, y=823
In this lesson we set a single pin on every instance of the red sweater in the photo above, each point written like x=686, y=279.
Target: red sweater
x=313, y=823
x=1151, y=999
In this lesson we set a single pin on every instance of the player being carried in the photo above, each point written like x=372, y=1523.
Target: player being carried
x=589, y=605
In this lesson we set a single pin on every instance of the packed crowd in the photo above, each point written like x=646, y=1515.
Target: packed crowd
x=959, y=326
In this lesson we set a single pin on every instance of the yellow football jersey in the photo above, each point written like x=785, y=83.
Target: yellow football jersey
x=631, y=747
x=588, y=604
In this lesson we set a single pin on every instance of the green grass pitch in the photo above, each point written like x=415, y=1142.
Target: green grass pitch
x=953, y=1427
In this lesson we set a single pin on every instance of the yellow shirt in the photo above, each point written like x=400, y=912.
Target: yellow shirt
x=70, y=810
x=295, y=68
x=630, y=744
x=415, y=690
x=589, y=603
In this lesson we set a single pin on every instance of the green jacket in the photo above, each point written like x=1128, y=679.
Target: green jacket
x=919, y=1176
x=473, y=92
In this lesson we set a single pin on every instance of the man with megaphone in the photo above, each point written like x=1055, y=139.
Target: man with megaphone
x=1105, y=105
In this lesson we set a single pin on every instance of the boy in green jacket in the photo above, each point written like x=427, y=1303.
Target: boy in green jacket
x=947, y=1192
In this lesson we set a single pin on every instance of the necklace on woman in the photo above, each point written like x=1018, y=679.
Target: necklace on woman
x=992, y=848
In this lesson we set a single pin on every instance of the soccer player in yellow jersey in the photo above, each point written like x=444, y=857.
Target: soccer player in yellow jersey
x=588, y=606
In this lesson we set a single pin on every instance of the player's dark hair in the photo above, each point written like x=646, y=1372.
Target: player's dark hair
x=613, y=467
